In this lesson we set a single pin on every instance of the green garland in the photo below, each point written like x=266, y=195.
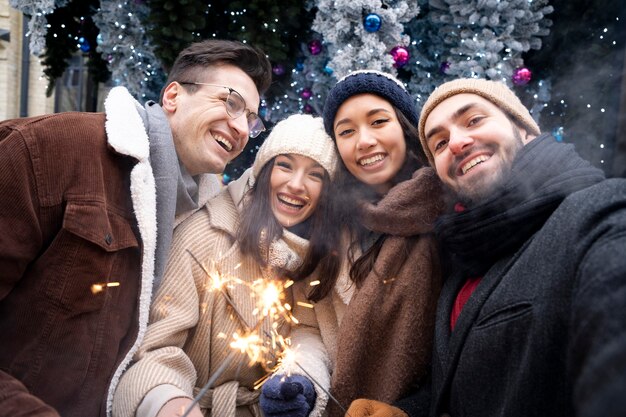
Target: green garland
x=277, y=29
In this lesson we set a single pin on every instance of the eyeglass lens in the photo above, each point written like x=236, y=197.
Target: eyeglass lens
x=235, y=106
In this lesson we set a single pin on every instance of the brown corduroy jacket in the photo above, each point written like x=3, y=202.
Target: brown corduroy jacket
x=67, y=229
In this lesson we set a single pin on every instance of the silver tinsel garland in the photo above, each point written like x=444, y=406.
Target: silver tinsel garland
x=124, y=44
x=37, y=25
x=351, y=47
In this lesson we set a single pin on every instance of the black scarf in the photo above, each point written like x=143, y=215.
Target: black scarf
x=543, y=174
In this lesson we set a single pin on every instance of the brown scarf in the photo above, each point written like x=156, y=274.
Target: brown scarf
x=385, y=337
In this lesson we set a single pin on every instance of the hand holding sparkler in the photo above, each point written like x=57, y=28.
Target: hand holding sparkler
x=287, y=396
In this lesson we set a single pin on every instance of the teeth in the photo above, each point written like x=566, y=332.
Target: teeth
x=471, y=164
x=227, y=145
x=292, y=201
x=371, y=160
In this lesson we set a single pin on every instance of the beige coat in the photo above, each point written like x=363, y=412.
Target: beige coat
x=191, y=325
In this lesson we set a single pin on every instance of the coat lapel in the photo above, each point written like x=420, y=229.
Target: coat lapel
x=449, y=344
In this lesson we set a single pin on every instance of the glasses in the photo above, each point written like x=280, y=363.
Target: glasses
x=236, y=106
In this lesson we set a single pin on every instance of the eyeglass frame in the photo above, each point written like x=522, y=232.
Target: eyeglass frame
x=253, y=133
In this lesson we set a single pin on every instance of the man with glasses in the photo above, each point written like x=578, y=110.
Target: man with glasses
x=88, y=202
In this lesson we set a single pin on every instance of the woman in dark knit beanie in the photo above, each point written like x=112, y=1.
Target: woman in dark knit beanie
x=389, y=203
x=376, y=315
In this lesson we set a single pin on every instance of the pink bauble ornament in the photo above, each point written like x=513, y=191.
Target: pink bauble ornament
x=306, y=93
x=400, y=56
x=521, y=76
x=315, y=46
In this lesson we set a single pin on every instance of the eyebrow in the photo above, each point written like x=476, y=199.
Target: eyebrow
x=291, y=158
x=455, y=116
x=368, y=114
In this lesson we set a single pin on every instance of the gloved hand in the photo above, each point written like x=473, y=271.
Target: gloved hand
x=371, y=408
x=287, y=396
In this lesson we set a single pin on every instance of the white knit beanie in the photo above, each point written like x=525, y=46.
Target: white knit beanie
x=300, y=134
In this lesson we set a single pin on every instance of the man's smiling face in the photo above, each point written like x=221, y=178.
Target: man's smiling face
x=205, y=135
x=474, y=144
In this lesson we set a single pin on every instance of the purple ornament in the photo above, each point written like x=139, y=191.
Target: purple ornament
x=400, y=56
x=444, y=67
x=278, y=69
x=521, y=76
x=308, y=109
x=306, y=93
x=315, y=47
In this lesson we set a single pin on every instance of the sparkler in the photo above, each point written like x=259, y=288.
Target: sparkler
x=96, y=288
x=270, y=296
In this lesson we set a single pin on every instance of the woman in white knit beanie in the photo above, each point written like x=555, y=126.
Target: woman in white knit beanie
x=266, y=225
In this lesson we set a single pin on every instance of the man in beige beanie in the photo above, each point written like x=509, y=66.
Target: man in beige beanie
x=530, y=319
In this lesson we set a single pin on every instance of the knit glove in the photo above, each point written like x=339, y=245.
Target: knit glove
x=287, y=396
x=372, y=408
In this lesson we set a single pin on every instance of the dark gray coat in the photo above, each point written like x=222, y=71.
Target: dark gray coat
x=544, y=333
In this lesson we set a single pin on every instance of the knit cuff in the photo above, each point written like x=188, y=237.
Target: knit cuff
x=157, y=397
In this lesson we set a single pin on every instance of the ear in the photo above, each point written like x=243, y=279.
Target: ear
x=526, y=136
x=171, y=96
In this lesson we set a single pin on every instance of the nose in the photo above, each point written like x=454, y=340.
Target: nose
x=459, y=142
x=366, y=140
x=296, y=182
x=240, y=126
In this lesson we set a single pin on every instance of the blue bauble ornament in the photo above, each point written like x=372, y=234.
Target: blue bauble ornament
x=328, y=70
x=372, y=22
x=299, y=64
x=83, y=44
x=558, y=132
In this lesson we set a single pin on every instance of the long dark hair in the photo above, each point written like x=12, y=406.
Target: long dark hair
x=348, y=192
x=258, y=228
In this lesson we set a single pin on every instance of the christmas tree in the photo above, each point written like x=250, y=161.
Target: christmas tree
x=314, y=43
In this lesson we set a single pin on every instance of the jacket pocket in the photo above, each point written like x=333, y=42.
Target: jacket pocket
x=505, y=314
x=84, y=254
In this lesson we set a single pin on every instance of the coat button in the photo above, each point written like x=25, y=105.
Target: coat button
x=108, y=239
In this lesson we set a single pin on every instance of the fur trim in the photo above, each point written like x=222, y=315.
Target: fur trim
x=126, y=133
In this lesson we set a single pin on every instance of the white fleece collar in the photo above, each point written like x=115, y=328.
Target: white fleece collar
x=126, y=133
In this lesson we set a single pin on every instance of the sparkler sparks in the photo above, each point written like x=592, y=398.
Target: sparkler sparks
x=255, y=342
x=96, y=288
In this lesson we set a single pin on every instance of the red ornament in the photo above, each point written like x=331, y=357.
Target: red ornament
x=315, y=47
x=400, y=56
x=521, y=76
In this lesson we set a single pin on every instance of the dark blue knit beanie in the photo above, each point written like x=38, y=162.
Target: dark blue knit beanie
x=373, y=82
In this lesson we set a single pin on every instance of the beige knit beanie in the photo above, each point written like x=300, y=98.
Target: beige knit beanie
x=300, y=134
x=496, y=92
